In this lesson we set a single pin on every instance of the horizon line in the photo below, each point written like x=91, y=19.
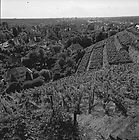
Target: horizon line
x=66, y=17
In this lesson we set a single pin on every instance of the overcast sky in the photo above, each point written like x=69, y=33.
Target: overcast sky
x=68, y=8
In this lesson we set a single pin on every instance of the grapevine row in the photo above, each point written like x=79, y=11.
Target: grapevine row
x=84, y=62
x=111, y=51
x=96, y=61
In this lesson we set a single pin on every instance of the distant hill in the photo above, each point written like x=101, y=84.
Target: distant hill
x=46, y=21
x=43, y=21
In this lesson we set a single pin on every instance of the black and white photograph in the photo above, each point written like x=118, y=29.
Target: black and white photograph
x=69, y=69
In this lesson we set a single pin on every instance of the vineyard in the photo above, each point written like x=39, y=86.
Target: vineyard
x=133, y=31
x=118, y=50
x=36, y=113
x=71, y=91
x=123, y=52
x=124, y=38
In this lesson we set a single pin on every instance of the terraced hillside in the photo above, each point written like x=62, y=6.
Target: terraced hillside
x=96, y=57
x=83, y=66
x=134, y=31
x=118, y=49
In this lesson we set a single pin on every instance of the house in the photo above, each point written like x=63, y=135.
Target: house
x=137, y=26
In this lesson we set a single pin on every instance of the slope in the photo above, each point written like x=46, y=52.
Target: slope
x=121, y=48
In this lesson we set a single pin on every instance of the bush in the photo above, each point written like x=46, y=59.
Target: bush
x=36, y=74
x=46, y=74
x=33, y=83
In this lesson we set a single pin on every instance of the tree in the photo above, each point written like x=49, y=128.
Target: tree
x=15, y=31
x=33, y=56
x=56, y=48
x=51, y=61
x=111, y=32
x=90, y=26
x=62, y=62
x=46, y=74
x=26, y=62
x=41, y=57
x=5, y=25
x=2, y=37
x=99, y=35
x=85, y=41
x=70, y=62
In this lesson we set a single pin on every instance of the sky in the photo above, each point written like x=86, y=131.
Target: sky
x=68, y=8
